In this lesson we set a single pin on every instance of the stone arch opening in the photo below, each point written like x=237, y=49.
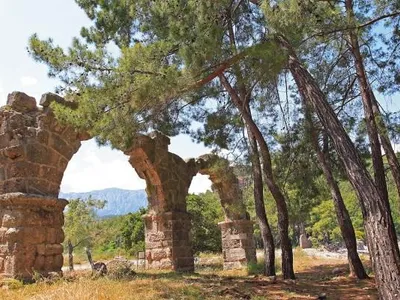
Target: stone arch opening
x=94, y=168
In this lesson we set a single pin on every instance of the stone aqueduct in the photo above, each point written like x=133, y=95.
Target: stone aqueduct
x=34, y=152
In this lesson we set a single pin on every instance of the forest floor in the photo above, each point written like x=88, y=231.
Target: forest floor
x=315, y=278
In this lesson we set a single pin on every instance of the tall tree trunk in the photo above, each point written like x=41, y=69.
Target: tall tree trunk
x=372, y=129
x=387, y=145
x=378, y=222
x=70, y=255
x=342, y=215
x=265, y=229
x=283, y=216
x=371, y=106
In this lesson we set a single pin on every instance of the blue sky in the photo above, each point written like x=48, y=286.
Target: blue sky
x=92, y=167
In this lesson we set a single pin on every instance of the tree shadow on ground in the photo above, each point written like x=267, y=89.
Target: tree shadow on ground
x=311, y=283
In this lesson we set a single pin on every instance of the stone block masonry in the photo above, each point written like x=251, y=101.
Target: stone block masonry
x=30, y=235
x=237, y=243
x=34, y=147
x=34, y=152
x=167, y=225
x=238, y=246
x=168, y=243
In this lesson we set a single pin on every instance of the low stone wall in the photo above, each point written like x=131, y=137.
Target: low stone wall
x=167, y=241
x=238, y=247
x=30, y=235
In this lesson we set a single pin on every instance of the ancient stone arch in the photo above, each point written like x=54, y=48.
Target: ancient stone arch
x=237, y=230
x=167, y=224
x=34, y=152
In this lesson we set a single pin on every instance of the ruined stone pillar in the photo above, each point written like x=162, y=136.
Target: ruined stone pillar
x=167, y=225
x=34, y=152
x=168, y=243
x=30, y=235
x=238, y=246
x=237, y=243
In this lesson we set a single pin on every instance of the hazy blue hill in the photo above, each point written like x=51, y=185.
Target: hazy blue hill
x=119, y=201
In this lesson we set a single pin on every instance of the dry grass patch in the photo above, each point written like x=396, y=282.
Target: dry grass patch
x=314, y=277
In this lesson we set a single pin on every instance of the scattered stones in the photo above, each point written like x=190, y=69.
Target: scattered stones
x=120, y=268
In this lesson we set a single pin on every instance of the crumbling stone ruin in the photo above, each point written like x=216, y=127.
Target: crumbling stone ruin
x=238, y=247
x=34, y=152
x=167, y=225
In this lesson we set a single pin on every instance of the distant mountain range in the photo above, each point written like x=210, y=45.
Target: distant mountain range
x=119, y=201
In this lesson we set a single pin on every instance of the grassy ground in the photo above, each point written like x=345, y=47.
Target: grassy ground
x=314, y=277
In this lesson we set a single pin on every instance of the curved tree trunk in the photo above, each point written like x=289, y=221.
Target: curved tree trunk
x=342, y=214
x=283, y=216
x=378, y=222
x=265, y=229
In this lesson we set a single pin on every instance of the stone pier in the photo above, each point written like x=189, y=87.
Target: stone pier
x=30, y=235
x=167, y=225
x=237, y=243
x=238, y=246
x=168, y=243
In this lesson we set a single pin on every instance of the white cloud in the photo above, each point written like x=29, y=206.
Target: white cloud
x=28, y=81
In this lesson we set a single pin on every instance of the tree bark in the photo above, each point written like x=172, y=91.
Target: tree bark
x=283, y=216
x=371, y=106
x=70, y=255
x=342, y=214
x=378, y=222
x=372, y=129
x=265, y=229
x=386, y=144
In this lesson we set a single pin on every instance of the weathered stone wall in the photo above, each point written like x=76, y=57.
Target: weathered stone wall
x=34, y=152
x=167, y=225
